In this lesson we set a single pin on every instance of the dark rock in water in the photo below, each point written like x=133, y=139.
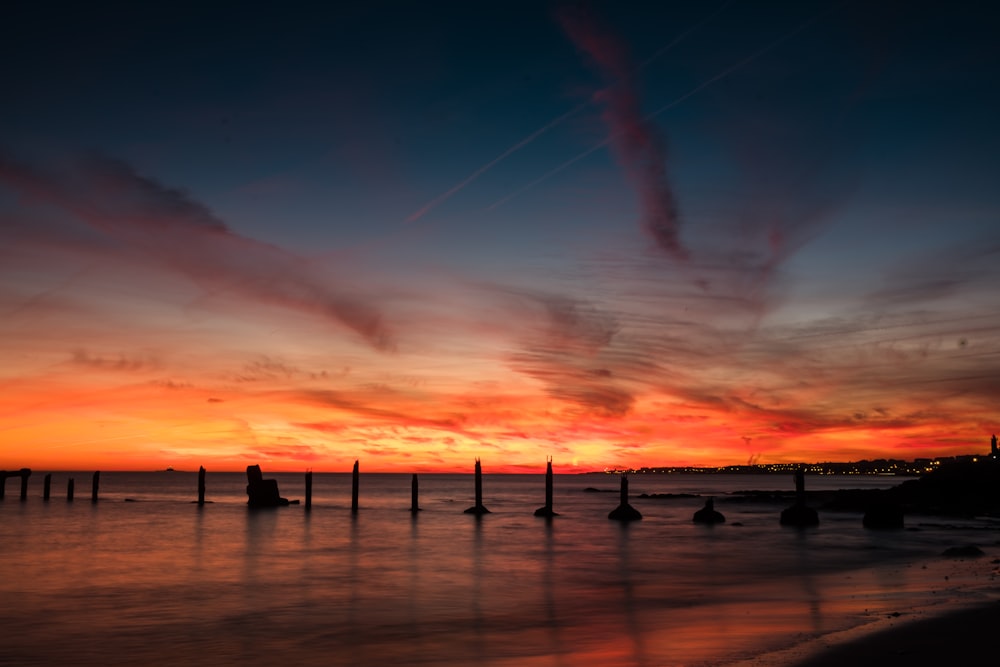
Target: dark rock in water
x=883, y=515
x=799, y=515
x=477, y=510
x=625, y=512
x=968, y=551
x=708, y=514
x=262, y=492
x=545, y=512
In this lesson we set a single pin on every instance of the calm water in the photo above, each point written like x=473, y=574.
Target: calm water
x=162, y=581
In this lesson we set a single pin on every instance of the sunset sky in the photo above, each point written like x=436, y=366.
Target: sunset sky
x=414, y=234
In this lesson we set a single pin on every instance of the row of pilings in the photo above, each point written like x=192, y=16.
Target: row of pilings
x=25, y=473
x=254, y=477
x=264, y=493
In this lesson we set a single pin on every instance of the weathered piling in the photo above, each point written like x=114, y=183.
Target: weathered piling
x=354, y=489
x=478, y=508
x=708, y=514
x=799, y=514
x=3, y=483
x=47, y=487
x=414, y=506
x=69, y=490
x=25, y=474
x=309, y=489
x=624, y=512
x=201, y=485
x=547, y=510
x=94, y=485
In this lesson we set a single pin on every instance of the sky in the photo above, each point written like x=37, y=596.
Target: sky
x=414, y=234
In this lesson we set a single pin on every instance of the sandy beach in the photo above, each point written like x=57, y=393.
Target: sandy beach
x=968, y=635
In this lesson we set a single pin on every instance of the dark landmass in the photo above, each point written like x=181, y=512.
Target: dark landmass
x=888, y=467
x=965, y=489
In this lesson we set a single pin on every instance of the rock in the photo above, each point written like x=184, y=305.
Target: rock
x=708, y=514
x=968, y=551
x=262, y=492
x=625, y=512
x=799, y=515
x=883, y=516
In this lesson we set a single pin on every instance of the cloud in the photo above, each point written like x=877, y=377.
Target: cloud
x=165, y=226
x=637, y=144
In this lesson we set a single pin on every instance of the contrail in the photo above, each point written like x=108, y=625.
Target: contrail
x=697, y=89
x=440, y=199
x=445, y=196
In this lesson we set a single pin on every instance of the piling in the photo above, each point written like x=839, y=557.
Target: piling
x=309, y=489
x=624, y=512
x=414, y=506
x=47, y=487
x=94, y=485
x=547, y=510
x=3, y=482
x=201, y=485
x=478, y=508
x=354, y=489
x=799, y=514
x=69, y=490
x=25, y=474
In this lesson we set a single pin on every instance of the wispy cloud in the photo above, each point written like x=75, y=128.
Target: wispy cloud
x=638, y=144
x=167, y=227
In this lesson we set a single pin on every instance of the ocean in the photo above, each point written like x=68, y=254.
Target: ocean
x=146, y=576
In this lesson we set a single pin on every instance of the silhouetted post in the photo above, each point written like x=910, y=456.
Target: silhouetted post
x=478, y=508
x=624, y=511
x=201, y=485
x=94, y=486
x=47, y=487
x=25, y=474
x=799, y=514
x=309, y=490
x=354, y=489
x=69, y=490
x=547, y=510
x=414, y=507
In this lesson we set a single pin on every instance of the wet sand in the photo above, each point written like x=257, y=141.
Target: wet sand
x=968, y=635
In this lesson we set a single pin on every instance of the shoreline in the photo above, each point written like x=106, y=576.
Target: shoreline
x=937, y=630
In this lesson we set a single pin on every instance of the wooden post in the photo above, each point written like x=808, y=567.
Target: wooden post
x=201, y=485
x=3, y=483
x=94, y=486
x=309, y=489
x=547, y=510
x=479, y=483
x=478, y=508
x=47, y=487
x=69, y=490
x=414, y=507
x=354, y=489
x=624, y=512
x=25, y=474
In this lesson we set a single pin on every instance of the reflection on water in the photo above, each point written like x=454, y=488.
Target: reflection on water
x=162, y=581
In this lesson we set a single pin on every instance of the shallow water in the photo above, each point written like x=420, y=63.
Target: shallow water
x=159, y=580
